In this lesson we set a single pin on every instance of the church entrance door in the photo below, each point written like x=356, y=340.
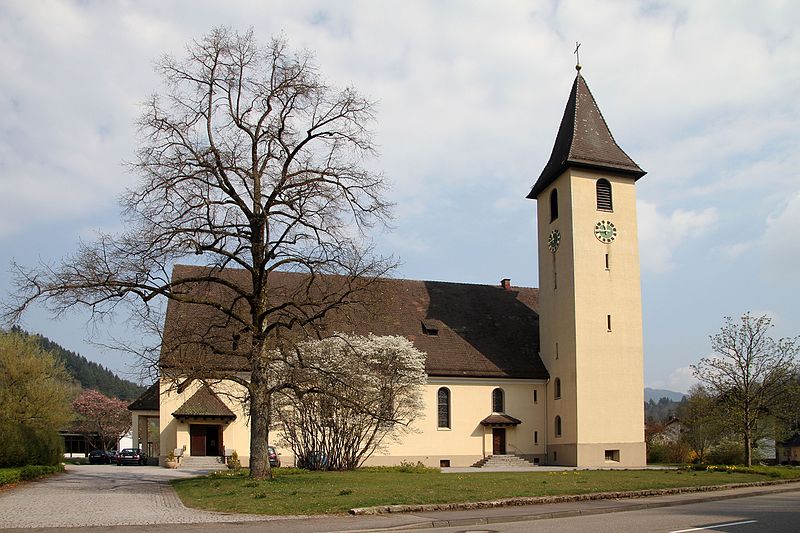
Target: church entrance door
x=205, y=440
x=498, y=441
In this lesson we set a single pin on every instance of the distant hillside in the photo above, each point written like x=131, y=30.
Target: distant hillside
x=88, y=374
x=657, y=394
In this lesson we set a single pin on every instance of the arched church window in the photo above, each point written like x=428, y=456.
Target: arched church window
x=604, y=201
x=553, y=204
x=558, y=426
x=497, y=401
x=443, y=411
x=557, y=388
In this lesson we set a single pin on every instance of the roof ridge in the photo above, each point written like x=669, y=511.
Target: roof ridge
x=469, y=283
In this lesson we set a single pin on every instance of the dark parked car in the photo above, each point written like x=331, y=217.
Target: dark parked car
x=315, y=460
x=274, y=460
x=131, y=456
x=102, y=457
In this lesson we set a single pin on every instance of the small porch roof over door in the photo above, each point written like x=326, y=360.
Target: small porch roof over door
x=500, y=420
x=204, y=404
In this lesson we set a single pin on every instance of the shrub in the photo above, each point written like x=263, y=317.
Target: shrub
x=656, y=453
x=26, y=473
x=233, y=462
x=668, y=452
x=23, y=445
x=727, y=453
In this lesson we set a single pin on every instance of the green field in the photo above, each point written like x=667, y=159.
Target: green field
x=301, y=492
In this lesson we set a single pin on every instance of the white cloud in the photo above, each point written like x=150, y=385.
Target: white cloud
x=679, y=380
x=661, y=234
x=781, y=241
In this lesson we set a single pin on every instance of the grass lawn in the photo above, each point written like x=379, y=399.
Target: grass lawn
x=301, y=492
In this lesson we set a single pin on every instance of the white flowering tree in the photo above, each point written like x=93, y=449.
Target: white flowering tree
x=354, y=393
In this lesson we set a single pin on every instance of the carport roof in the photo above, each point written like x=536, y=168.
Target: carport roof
x=149, y=400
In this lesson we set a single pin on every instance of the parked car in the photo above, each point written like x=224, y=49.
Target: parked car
x=274, y=460
x=315, y=460
x=131, y=456
x=102, y=457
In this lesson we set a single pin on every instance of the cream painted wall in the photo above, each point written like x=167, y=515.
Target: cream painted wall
x=601, y=371
x=557, y=316
x=463, y=444
x=467, y=441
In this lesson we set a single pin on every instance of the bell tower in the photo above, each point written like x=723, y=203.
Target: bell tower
x=590, y=325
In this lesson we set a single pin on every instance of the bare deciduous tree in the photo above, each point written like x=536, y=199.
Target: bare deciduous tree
x=248, y=160
x=748, y=374
x=363, y=391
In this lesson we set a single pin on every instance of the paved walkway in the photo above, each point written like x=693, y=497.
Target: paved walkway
x=107, y=495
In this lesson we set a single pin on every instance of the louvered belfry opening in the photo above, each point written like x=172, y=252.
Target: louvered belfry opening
x=604, y=201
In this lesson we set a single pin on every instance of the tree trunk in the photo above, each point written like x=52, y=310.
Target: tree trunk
x=748, y=450
x=259, y=424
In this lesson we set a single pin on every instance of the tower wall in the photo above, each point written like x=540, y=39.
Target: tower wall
x=600, y=368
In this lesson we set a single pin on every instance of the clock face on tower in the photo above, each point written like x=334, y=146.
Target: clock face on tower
x=605, y=231
x=553, y=240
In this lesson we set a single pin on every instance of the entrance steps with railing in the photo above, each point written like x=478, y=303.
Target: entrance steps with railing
x=201, y=463
x=503, y=461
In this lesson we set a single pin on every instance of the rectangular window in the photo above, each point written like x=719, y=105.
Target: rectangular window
x=535, y=396
x=608, y=264
x=608, y=318
x=444, y=463
x=556, y=350
x=612, y=455
x=536, y=437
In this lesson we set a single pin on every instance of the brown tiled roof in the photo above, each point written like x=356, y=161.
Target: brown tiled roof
x=148, y=401
x=584, y=140
x=465, y=329
x=500, y=420
x=204, y=404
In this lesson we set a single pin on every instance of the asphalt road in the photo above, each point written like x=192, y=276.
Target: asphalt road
x=773, y=513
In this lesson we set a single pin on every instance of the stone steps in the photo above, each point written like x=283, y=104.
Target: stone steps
x=503, y=461
x=187, y=461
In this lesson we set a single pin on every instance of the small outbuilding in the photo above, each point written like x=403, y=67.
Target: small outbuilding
x=788, y=451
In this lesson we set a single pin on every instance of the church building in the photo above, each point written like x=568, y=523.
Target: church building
x=552, y=375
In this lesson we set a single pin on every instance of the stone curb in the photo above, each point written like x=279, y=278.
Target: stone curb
x=538, y=500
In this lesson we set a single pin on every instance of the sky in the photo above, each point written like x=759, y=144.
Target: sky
x=703, y=95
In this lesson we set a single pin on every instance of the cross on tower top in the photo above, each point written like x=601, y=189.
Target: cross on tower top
x=577, y=56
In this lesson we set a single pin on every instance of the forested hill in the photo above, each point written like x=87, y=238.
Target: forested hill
x=88, y=374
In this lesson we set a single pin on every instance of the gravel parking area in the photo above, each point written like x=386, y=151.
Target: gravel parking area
x=104, y=495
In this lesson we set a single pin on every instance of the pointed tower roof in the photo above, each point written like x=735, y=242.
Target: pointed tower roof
x=585, y=141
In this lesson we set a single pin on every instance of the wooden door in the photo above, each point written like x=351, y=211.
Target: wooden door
x=498, y=441
x=197, y=442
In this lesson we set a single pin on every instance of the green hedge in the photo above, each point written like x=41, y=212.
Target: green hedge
x=23, y=445
x=26, y=473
